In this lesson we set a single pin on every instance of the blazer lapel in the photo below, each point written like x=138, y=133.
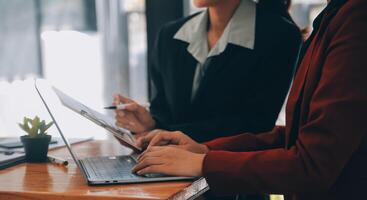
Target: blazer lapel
x=213, y=66
x=183, y=79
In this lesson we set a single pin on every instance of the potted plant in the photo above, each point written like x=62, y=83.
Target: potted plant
x=36, y=141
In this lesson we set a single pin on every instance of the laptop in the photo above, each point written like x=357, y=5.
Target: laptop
x=106, y=170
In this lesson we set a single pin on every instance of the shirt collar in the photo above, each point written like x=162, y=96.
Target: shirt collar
x=194, y=32
x=242, y=25
x=239, y=31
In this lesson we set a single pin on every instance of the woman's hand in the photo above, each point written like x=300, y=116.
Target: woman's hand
x=170, y=161
x=134, y=117
x=178, y=139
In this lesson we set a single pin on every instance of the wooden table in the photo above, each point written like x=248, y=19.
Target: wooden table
x=49, y=181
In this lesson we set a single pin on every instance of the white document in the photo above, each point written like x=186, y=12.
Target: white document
x=100, y=119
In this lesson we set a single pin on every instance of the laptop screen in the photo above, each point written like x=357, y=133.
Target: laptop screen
x=104, y=121
x=39, y=90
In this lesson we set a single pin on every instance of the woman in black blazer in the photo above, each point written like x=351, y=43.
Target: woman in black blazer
x=220, y=72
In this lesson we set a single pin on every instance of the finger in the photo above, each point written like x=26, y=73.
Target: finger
x=159, y=169
x=126, y=122
x=152, y=152
x=134, y=107
x=126, y=115
x=176, y=137
x=124, y=100
x=127, y=118
x=120, y=113
x=177, y=146
x=116, y=99
x=123, y=125
x=143, y=141
x=146, y=163
x=140, y=135
x=146, y=139
x=121, y=117
x=162, y=138
x=145, y=152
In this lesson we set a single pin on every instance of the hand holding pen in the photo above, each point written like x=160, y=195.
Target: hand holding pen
x=131, y=115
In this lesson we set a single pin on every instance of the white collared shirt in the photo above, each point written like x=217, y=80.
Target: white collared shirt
x=239, y=31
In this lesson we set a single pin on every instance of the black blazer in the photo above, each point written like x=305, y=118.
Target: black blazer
x=242, y=90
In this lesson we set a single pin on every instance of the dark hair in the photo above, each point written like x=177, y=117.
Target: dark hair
x=288, y=4
x=277, y=6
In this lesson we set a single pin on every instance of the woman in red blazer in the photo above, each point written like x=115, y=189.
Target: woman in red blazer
x=321, y=153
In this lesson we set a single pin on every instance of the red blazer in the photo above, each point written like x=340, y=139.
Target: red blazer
x=322, y=151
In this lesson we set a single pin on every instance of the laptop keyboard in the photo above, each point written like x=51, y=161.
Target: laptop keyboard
x=110, y=168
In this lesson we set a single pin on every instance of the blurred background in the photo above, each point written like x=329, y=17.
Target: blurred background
x=90, y=49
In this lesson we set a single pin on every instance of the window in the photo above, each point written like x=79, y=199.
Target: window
x=72, y=44
x=72, y=58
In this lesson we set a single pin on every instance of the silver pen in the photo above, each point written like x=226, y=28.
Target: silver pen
x=117, y=107
x=58, y=161
x=122, y=106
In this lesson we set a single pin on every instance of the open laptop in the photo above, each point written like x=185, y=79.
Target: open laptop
x=108, y=169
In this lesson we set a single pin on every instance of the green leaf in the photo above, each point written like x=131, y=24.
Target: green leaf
x=25, y=125
x=25, y=120
x=49, y=125
x=37, y=128
x=42, y=127
x=37, y=120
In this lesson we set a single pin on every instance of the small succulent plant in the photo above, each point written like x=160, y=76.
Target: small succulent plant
x=35, y=127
